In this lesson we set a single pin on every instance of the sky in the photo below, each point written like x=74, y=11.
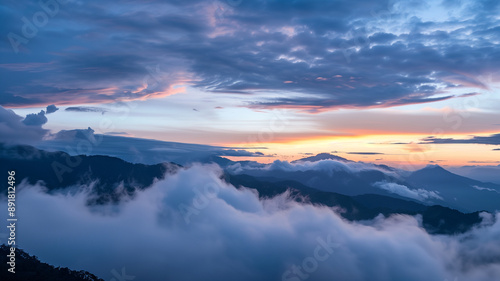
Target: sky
x=405, y=83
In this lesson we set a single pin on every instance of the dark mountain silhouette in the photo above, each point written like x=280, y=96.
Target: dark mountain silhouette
x=29, y=268
x=458, y=192
x=437, y=174
x=447, y=189
x=60, y=170
x=436, y=219
x=340, y=181
x=114, y=178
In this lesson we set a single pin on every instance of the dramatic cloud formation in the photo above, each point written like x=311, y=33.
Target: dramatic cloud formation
x=13, y=129
x=417, y=194
x=311, y=55
x=193, y=226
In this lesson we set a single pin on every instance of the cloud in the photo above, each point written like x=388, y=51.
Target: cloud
x=496, y=149
x=243, y=153
x=417, y=194
x=366, y=153
x=86, y=109
x=35, y=119
x=468, y=95
x=193, y=225
x=51, y=109
x=14, y=130
x=490, y=140
x=307, y=55
x=326, y=165
x=485, y=188
x=117, y=133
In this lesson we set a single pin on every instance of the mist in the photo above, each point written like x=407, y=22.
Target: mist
x=194, y=226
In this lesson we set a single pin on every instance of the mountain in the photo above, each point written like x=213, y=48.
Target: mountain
x=114, y=178
x=432, y=185
x=435, y=219
x=458, y=192
x=60, y=170
x=479, y=173
x=340, y=179
x=30, y=268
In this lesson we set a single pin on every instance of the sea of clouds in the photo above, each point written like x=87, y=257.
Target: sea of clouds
x=195, y=226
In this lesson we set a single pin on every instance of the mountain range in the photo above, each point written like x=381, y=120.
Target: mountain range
x=349, y=188
x=447, y=203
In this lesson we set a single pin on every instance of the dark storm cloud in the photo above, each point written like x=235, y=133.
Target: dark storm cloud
x=317, y=55
x=490, y=140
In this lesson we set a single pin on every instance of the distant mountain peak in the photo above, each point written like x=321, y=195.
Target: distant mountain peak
x=437, y=172
x=434, y=166
x=322, y=156
x=435, y=169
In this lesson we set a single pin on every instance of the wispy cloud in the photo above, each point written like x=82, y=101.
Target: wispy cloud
x=490, y=140
x=366, y=153
x=402, y=190
x=86, y=109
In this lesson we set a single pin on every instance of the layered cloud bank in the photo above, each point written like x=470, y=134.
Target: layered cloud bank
x=322, y=54
x=194, y=226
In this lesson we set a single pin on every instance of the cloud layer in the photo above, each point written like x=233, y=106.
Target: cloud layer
x=193, y=226
x=417, y=194
x=137, y=150
x=310, y=55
